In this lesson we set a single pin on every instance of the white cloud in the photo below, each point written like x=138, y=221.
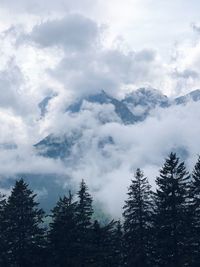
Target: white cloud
x=108, y=170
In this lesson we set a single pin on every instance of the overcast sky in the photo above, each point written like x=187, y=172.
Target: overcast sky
x=73, y=48
x=58, y=44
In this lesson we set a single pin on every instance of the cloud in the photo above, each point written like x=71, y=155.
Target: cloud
x=16, y=96
x=183, y=70
x=186, y=74
x=87, y=64
x=45, y=6
x=196, y=27
x=11, y=80
x=107, y=69
x=108, y=170
x=73, y=32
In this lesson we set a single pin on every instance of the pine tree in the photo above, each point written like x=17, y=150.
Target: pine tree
x=117, y=249
x=105, y=247
x=137, y=222
x=3, y=243
x=97, y=252
x=108, y=244
x=194, y=215
x=24, y=234
x=171, y=211
x=63, y=233
x=84, y=216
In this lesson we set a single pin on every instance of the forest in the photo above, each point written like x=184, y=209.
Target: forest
x=158, y=228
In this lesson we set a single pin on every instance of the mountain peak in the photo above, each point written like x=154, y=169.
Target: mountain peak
x=193, y=95
x=142, y=100
x=147, y=92
x=101, y=98
x=43, y=105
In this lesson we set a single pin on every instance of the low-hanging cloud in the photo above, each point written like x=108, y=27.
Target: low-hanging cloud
x=108, y=168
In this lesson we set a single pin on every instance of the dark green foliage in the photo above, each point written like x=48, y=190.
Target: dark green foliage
x=3, y=243
x=84, y=223
x=63, y=233
x=23, y=233
x=171, y=210
x=98, y=251
x=194, y=215
x=137, y=215
x=84, y=207
x=106, y=245
x=117, y=247
x=101, y=244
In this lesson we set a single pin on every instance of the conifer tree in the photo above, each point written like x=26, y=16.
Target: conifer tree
x=84, y=216
x=3, y=243
x=137, y=222
x=194, y=215
x=105, y=247
x=171, y=211
x=24, y=234
x=117, y=249
x=63, y=233
x=108, y=244
x=97, y=252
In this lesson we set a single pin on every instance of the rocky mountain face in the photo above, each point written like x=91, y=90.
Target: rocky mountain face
x=143, y=100
x=192, y=96
x=121, y=109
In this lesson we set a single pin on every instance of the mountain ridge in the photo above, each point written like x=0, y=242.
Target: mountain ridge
x=143, y=100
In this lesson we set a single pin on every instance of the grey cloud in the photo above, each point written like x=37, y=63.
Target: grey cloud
x=15, y=96
x=87, y=65
x=131, y=66
x=73, y=32
x=106, y=69
x=196, y=27
x=10, y=82
x=146, y=55
x=186, y=74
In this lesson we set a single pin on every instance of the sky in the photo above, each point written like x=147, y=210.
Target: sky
x=70, y=49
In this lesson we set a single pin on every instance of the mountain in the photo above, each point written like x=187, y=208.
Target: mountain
x=61, y=147
x=43, y=105
x=54, y=146
x=121, y=109
x=134, y=108
x=57, y=146
x=143, y=100
x=192, y=96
